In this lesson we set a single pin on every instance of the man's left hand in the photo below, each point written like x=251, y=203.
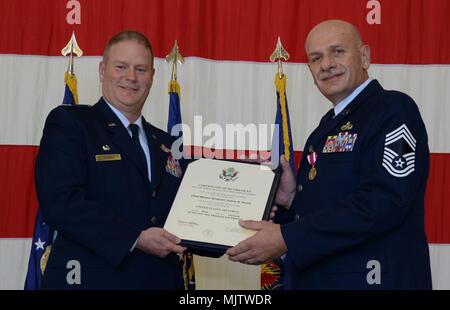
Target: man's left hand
x=265, y=245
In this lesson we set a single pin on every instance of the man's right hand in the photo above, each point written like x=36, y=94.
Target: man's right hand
x=286, y=189
x=158, y=241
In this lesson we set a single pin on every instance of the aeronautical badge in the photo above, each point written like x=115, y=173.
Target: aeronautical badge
x=347, y=126
x=399, y=152
x=173, y=166
x=229, y=174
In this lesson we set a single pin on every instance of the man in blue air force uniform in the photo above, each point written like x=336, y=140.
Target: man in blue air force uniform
x=356, y=209
x=105, y=181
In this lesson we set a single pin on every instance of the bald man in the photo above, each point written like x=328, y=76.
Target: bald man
x=356, y=209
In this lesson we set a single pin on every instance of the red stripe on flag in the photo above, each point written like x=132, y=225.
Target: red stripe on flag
x=18, y=198
x=18, y=203
x=411, y=31
x=437, y=199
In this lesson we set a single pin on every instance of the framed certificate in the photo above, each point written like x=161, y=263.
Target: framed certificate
x=213, y=196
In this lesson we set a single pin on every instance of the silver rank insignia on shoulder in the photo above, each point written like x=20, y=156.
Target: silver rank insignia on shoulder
x=106, y=147
x=399, y=152
x=342, y=142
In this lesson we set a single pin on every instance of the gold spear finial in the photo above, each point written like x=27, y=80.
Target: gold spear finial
x=174, y=57
x=279, y=54
x=72, y=49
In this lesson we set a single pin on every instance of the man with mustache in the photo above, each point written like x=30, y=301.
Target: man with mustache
x=106, y=179
x=356, y=208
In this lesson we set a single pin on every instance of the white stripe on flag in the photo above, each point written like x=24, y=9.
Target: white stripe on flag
x=14, y=254
x=220, y=91
x=440, y=267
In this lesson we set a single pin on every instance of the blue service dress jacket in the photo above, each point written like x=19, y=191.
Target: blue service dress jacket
x=93, y=189
x=358, y=214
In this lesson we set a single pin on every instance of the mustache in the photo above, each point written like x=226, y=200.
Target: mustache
x=326, y=74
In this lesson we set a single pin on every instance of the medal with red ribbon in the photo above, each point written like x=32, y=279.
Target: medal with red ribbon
x=312, y=158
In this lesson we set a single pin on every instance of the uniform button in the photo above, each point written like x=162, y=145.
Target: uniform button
x=299, y=188
x=297, y=217
x=154, y=220
x=154, y=194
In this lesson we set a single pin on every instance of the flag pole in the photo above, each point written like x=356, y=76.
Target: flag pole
x=70, y=78
x=272, y=273
x=280, y=54
x=175, y=57
x=72, y=49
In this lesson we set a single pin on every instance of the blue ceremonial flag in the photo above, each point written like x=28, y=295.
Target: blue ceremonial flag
x=43, y=234
x=70, y=92
x=40, y=250
x=282, y=119
x=174, y=107
x=173, y=120
x=272, y=273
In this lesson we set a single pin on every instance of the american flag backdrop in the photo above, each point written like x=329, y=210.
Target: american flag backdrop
x=226, y=79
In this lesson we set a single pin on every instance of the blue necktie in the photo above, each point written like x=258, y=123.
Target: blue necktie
x=135, y=137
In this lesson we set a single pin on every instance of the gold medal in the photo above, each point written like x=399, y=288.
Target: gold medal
x=312, y=173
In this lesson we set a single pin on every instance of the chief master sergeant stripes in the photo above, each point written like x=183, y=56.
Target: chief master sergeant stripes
x=399, y=151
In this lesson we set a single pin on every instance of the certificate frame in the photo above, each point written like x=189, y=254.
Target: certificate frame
x=197, y=242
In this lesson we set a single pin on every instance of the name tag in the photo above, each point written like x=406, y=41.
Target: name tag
x=108, y=157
